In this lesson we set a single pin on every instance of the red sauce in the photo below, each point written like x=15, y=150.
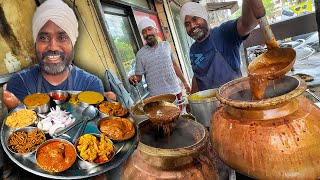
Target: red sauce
x=58, y=96
x=56, y=156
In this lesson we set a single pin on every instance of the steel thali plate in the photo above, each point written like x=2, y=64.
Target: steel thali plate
x=80, y=169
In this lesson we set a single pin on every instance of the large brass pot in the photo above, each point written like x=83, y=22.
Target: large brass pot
x=275, y=138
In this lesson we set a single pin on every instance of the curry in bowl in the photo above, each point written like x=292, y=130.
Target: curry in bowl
x=36, y=99
x=116, y=128
x=56, y=155
x=95, y=148
x=21, y=118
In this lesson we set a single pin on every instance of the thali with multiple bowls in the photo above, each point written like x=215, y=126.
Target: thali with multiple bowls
x=69, y=161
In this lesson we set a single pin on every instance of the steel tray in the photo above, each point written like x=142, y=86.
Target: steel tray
x=79, y=169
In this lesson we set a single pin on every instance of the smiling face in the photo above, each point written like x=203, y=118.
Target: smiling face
x=54, y=49
x=196, y=27
x=150, y=35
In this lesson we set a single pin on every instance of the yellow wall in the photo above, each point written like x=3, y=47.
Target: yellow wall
x=16, y=42
x=19, y=13
x=86, y=54
x=163, y=19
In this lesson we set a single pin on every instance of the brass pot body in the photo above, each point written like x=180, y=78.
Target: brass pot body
x=276, y=138
x=202, y=166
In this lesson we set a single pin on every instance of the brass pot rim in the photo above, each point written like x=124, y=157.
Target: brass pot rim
x=302, y=86
x=178, y=152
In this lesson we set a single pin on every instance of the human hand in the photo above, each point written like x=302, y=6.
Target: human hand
x=133, y=80
x=10, y=100
x=258, y=8
x=187, y=87
x=110, y=95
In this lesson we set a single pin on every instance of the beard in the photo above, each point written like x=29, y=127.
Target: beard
x=199, y=33
x=54, y=68
x=151, y=40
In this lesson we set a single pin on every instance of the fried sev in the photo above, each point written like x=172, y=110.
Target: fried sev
x=24, y=142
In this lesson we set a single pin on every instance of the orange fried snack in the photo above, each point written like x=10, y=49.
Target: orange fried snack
x=112, y=108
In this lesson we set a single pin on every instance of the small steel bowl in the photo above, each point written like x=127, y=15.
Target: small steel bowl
x=16, y=116
x=112, y=138
x=27, y=129
x=87, y=98
x=59, y=96
x=98, y=137
x=39, y=102
x=114, y=104
x=68, y=151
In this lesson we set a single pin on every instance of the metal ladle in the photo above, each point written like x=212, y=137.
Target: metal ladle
x=142, y=103
x=88, y=113
x=270, y=59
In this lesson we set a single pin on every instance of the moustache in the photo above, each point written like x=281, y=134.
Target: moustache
x=149, y=36
x=52, y=53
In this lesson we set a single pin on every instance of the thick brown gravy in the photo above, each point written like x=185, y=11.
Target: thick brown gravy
x=117, y=128
x=162, y=114
x=267, y=66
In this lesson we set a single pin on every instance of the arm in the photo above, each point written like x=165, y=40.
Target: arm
x=10, y=100
x=178, y=71
x=135, y=79
x=251, y=11
x=194, y=88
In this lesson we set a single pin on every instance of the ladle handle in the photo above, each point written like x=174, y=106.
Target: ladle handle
x=267, y=33
x=139, y=94
x=312, y=94
x=59, y=133
x=80, y=130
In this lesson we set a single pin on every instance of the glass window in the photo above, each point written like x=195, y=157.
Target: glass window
x=140, y=3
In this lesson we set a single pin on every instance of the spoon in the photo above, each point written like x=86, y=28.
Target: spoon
x=88, y=114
